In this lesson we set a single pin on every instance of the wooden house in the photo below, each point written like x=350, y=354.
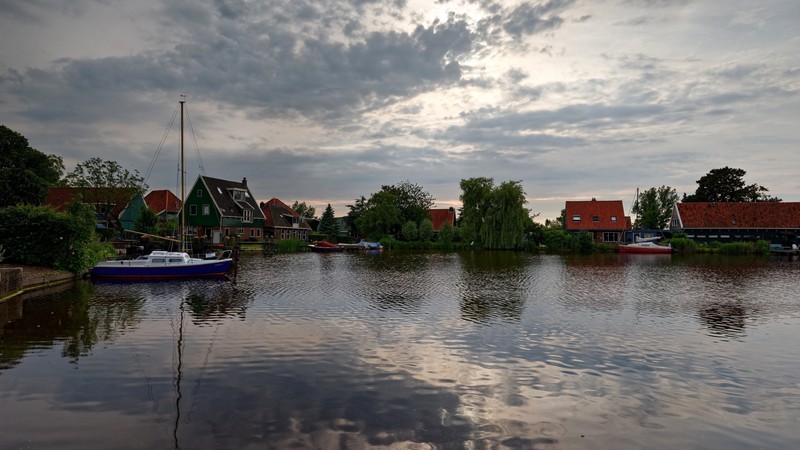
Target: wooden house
x=282, y=222
x=439, y=217
x=108, y=203
x=164, y=203
x=605, y=220
x=216, y=208
x=777, y=222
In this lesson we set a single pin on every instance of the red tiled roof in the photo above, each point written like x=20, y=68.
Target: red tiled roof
x=61, y=197
x=163, y=200
x=740, y=215
x=441, y=216
x=609, y=215
x=274, y=211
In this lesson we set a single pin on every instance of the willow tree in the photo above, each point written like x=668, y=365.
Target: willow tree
x=496, y=213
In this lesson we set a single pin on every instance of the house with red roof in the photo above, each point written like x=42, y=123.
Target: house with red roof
x=777, y=222
x=108, y=203
x=164, y=203
x=605, y=220
x=282, y=222
x=439, y=217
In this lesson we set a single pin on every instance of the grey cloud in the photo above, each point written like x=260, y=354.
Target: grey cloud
x=528, y=19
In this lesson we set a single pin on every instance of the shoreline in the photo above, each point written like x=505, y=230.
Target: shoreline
x=34, y=278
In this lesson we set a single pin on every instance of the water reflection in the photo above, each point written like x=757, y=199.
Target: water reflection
x=493, y=285
x=415, y=350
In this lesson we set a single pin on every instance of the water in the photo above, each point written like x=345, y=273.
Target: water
x=414, y=351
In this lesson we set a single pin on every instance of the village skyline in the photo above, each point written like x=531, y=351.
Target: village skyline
x=323, y=102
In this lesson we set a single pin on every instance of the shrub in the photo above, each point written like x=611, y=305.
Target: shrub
x=41, y=236
x=409, y=231
x=425, y=230
x=683, y=245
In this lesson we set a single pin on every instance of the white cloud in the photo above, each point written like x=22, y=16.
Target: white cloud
x=575, y=99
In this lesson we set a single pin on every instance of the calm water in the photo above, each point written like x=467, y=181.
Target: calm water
x=414, y=351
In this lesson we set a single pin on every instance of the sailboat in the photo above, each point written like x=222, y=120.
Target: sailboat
x=643, y=245
x=159, y=264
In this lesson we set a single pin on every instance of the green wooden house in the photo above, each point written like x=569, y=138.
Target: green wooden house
x=218, y=208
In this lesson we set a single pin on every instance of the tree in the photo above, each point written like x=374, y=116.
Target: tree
x=412, y=201
x=356, y=210
x=409, y=231
x=425, y=230
x=495, y=215
x=653, y=208
x=389, y=209
x=146, y=222
x=380, y=216
x=98, y=173
x=327, y=224
x=26, y=174
x=308, y=212
x=727, y=185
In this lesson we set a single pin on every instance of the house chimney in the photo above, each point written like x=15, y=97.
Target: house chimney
x=244, y=181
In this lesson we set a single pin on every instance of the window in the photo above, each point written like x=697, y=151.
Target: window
x=240, y=231
x=252, y=232
x=192, y=210
x=610, y=237
x=248, y=215
x=238, y=195
x=613, y=218
x=199, y=192
x=595, y=218
x=206, y=210
x=576, y=218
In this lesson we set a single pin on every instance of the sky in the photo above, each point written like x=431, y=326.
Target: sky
x=325, y=101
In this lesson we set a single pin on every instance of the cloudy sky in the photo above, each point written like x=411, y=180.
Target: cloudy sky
x=324, y=101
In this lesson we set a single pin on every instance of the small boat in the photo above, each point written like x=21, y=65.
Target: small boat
x=160, y=265
x=324, y=247
x=645, y=245
x=363, y=246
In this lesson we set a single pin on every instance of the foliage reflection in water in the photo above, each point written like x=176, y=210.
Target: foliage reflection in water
x=414, y=350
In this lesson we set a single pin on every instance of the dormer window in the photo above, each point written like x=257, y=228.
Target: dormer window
x=238, y=195
x=595, y=218
x=614, y=218
x=576, y=218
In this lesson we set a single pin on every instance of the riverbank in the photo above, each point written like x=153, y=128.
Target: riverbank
x=33, y=278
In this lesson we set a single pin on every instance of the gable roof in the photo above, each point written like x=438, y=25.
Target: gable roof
x=603, y=210
x=441, y=216
x=739, y=214
x=61, y=197
x=220, y=191
x=277, y=215
x=163, y=200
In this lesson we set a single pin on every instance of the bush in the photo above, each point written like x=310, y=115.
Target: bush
x=41, y=236
x=425, y=230
x=683, y=245
x=447, y=233
x=409, y=231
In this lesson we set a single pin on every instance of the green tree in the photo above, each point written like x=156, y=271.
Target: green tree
x=496, y=215
x=412, y=201
x=653, y=208
x=409, y=231
x=380, y=216
x=327, y=224
x=356, y=210
x=425, y=230
x=389, y=209
x=309, y=212
x=98, y=173
x=447, y=233
x=727, y=185
x=146, y=222
x=26, y=174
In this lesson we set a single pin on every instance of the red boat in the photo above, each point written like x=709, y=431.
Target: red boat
x=324, y=247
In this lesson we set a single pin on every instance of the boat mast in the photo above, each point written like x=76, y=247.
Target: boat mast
x=183, y=186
